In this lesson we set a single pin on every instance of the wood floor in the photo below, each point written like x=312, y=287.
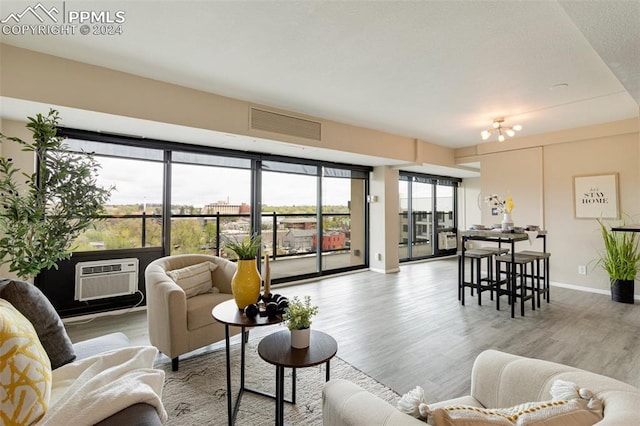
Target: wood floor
x=409, y=329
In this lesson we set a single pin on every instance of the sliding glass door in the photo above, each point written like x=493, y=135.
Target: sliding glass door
x=344, y=219
x=421, y=217
x=290, y=217
x=424, y=233
x=313, y=218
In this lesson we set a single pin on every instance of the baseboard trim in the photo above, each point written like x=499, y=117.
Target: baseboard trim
x=586, y=289
x=385, y=271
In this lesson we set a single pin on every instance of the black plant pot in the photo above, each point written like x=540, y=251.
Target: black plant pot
x=622, y=291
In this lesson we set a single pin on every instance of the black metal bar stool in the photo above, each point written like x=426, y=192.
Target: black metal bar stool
x=477, y=281
x=541, y=274
x=491, y=276
x=516, y=279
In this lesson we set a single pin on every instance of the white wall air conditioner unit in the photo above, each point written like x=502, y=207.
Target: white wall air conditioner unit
x=106, y=278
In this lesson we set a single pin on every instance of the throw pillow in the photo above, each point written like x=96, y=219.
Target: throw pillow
x=195, y=279
x=25, y=371
x=33, y=304
x=549, y=413
x=413, y=403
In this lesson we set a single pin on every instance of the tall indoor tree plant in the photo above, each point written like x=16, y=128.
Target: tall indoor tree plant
x=41, y=213
x=621, y=260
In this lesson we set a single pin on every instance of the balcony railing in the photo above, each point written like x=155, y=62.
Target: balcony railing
x=284, y=235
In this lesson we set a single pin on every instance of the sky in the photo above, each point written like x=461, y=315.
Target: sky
x=141, y=182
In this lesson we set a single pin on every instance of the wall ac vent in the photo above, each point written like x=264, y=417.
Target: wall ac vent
x=285, y=124
x=106, y=278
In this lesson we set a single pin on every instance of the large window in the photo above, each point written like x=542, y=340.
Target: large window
x=426, y=216
x=185, y=199
x=133, y=214
x=210, y=198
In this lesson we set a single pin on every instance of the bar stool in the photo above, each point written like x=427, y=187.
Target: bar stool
x=541, y=274
x=517, y=277
x=476, y=256
x=495, y=251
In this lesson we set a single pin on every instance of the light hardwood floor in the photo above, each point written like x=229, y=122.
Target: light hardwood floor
x=409, y=329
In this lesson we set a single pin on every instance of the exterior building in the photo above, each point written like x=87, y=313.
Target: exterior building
x=299, y=240
x=331, y=240
x=299, y=222
x=223, y=207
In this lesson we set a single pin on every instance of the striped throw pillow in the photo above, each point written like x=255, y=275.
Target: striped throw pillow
x=195, y=279
x=574, y=412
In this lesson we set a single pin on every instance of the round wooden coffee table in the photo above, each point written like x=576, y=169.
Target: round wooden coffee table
x=276, y=349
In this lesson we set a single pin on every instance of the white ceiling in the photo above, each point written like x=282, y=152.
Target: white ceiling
x=435, y=70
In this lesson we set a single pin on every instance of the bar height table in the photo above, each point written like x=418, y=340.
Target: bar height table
x=634, y=227
x=500, y=237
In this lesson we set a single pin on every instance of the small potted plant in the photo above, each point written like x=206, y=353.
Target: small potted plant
x=621, y=260
x=246, y=248
x=297, y=317
x=245, y=284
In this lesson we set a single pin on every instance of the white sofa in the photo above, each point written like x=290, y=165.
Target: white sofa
x=66, y=368
x=498, y=380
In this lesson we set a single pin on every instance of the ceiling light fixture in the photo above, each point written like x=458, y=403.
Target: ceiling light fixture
x=501, y=130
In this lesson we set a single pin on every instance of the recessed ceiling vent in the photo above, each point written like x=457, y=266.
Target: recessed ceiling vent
x=285, y=124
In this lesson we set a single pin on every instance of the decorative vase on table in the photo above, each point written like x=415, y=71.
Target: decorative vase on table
x=300, y=339
x=507, y=222
x=245, y=284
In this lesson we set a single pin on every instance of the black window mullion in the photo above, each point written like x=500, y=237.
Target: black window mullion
x=166, y=205
x=319, y=221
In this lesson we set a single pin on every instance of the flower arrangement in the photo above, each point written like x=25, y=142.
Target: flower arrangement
x=298, y=314
x=505, y=206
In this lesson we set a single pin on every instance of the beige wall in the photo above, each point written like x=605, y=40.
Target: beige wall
x=514, y=173
x=538, y=172
x=61, y=82
x=384, y=230
x=469, y=206
x=579, y=240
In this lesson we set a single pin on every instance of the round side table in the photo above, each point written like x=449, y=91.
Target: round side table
x=228, y=314
x=276, y=349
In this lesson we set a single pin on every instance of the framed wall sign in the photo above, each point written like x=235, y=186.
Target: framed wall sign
x=596, y=196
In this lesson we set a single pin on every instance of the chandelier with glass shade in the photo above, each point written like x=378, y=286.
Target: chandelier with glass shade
x=500, y=130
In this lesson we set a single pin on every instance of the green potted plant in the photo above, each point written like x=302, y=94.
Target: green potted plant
x=245, y=248
x=621, y=260
x=245, y=284
x=42, y=213
x=297, y=317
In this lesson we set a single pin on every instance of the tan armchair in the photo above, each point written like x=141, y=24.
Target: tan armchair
x=178, y=324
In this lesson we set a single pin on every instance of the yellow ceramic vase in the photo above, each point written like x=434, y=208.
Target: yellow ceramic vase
x=245, y=284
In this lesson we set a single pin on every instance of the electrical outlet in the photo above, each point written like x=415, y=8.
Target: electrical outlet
x=582, y=269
